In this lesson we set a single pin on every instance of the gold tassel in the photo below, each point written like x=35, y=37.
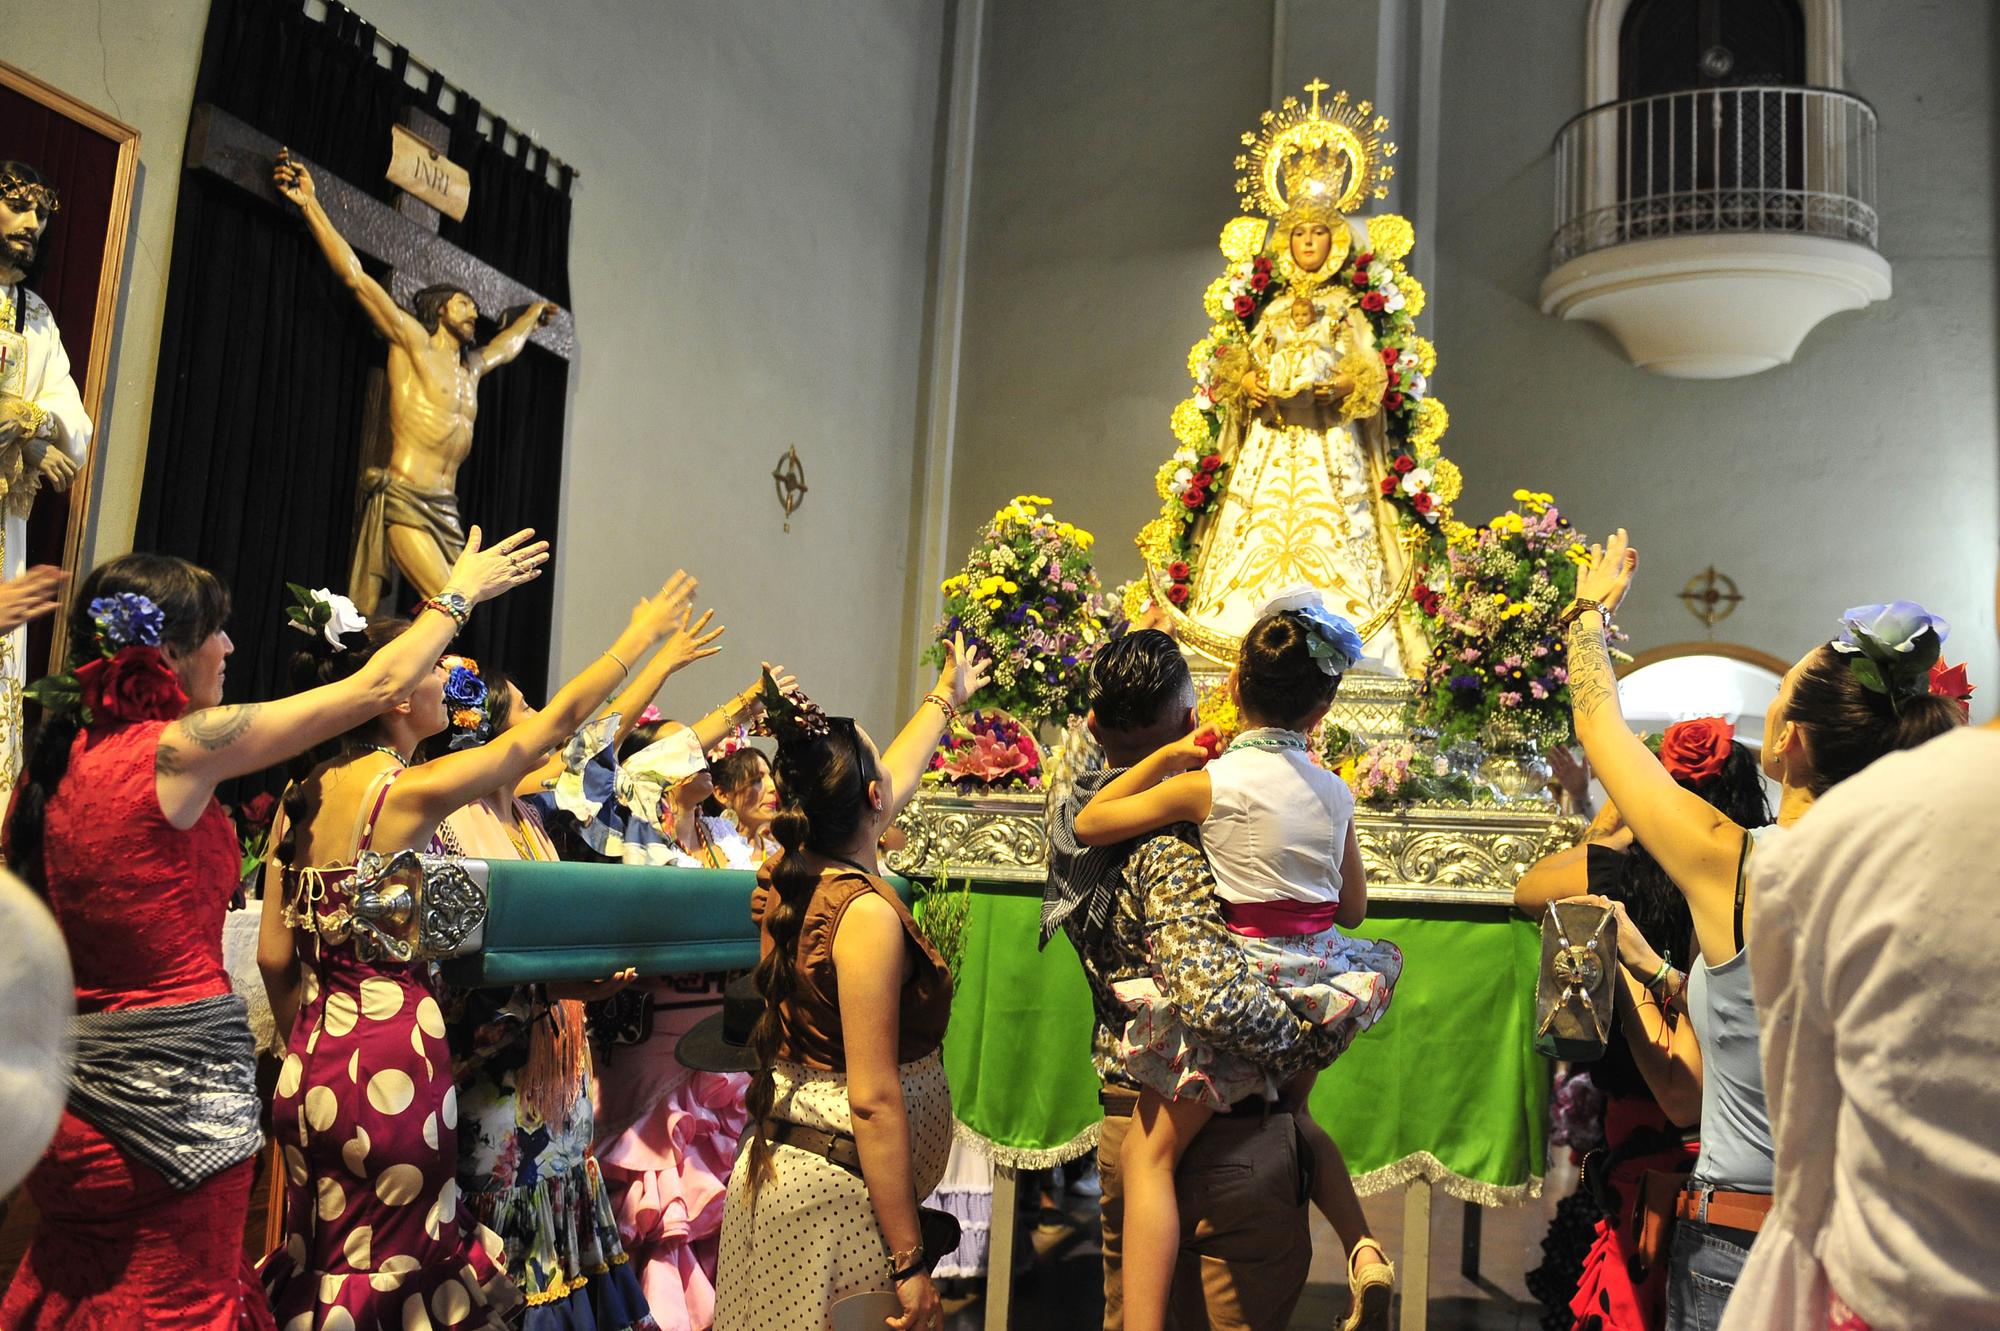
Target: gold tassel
x=558, y=1058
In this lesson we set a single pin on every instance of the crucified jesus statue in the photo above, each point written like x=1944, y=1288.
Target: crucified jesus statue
x=409, y=509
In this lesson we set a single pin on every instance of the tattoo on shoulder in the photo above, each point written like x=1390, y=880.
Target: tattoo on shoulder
x=1590, y=683
x=215, y=728
x=167, y=760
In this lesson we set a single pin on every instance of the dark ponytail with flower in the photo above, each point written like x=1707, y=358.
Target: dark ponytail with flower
x=823, y=771
x=311, y=667
x=193, y=605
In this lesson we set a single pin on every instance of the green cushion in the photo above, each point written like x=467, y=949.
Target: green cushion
x=588, y=921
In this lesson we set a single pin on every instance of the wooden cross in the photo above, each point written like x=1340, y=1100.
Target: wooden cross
x=404, y=237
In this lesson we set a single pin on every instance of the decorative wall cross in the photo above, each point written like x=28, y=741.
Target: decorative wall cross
x=1711, y=597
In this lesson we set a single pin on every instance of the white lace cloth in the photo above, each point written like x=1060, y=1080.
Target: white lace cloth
x=239, y=958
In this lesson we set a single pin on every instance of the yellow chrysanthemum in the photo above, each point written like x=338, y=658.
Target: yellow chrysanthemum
x=1242, y=238
x=1577, y=555
x=1189, y=425
x=1163, y=479
x=1137, y=597
x=1198, y=356
x=1447, y=481
x=1426, y=354
x=1156, y=541
x=1219, y=713
x=993, y=605
x=1507, y=524
x=954, y=584
x=1084, y=540
x=1413, y=294
x=1460, y=536
x=1432, y=420
x=1391, y=236
x=1535, y=501
x=1216, y=299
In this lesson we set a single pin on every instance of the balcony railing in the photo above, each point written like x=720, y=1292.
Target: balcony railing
x=1711, y=161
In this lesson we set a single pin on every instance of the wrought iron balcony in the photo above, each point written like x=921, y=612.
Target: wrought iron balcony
x=1720, y=186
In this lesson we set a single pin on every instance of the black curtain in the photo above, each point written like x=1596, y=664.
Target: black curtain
x=258, y=414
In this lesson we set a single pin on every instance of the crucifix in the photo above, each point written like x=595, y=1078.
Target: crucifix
x=408, y=519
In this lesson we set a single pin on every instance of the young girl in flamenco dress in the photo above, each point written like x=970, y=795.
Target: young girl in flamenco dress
x=1278, y=830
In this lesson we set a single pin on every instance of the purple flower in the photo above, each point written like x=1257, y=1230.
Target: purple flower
x=1465, y=683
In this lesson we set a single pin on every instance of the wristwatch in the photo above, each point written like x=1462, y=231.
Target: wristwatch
x=453, y=604
x=1575, y=609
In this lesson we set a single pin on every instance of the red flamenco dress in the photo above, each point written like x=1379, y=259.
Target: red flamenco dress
x=141, y=904
x=377, y=1235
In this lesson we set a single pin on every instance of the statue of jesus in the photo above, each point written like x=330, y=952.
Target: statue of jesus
x=409, y=512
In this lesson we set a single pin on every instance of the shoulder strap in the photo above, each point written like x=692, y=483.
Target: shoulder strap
x=1742, y=863
x=375, y=811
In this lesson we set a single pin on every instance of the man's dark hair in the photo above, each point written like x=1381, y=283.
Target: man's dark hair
x=428, y=304
x=1138, y=680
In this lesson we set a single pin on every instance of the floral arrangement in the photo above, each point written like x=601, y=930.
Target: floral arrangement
x=1029, y=597
x=128, y=679
x=1396, y=771
x=253, y=819
x=465, y=702
x=1422, y=483
x=989, y=751
x=1490, y=605
x=1217, y=711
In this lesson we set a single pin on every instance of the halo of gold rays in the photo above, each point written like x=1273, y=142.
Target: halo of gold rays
x=1333, y=150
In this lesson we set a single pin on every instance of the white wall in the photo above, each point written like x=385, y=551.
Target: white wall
x=748, y=262
x=1865, y=471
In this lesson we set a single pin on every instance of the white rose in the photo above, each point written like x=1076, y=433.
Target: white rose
x=344, y=618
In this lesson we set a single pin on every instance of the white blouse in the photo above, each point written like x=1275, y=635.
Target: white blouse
x=1276, y=828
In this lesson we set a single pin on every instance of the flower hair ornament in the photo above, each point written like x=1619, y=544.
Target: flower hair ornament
x=1891, y=648
x=791, y=717
x=322, y=613
x=129, y=679
x=1332, y=639
x=468, y=703
x=1694, y=752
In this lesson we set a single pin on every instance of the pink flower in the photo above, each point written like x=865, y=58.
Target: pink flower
x=1510, y=699
x=1535, y=687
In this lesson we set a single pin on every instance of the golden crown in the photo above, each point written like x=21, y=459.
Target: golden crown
x=1323, y=157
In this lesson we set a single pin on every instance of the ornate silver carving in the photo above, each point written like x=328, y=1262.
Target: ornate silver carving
x=411, y=907
x=452, y=919
x=383, y=897
x=1439, y=853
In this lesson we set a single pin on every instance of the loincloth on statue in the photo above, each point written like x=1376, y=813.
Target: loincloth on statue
x=389, y=501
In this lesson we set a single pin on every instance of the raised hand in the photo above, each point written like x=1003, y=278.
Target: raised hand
x=292, y=178
x=690, y=642
x=965, y=673
x=481, y=574
x=34, y=594
x=657, y=615
x=1609, y=574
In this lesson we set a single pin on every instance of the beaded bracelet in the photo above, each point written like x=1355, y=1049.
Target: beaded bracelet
x=945, y=705
x=450, y=604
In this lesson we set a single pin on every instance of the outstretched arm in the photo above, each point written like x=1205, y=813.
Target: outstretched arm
x=513, y=339
x=428, y=793
x=391, y=320
x=903, y=762
x=1696, y=844
x=207, y=747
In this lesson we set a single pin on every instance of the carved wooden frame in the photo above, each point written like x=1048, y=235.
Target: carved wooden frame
x=110, y=279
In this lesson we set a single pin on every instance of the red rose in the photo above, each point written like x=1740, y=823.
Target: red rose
x=1178, y=593
x=1694, y=751
x=1178, y=570
x=1258, y=281
x=1262, y=264
x=1950, y=683
x=1360, y=279
x=1421, y=501
x=1243, y=305
x=1390, y=355
x=1388, y=485
x=1373, y=302
x=1395, y=378
x=1194, y=496
x=1212, y=463
x=259, y=809
x=135, y=685
x=1404, y=465
x=1365, y=259
x=1393, y=401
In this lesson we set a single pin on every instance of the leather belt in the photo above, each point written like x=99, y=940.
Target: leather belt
x=836, y=1148
x=1119, y=1103
x=1731, y=1210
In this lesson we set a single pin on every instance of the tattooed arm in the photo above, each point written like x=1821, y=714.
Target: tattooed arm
x=1694, y=842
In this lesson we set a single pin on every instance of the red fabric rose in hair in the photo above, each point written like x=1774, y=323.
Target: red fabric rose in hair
x=1694, y=751
x=135, y=685
x=1952, y=684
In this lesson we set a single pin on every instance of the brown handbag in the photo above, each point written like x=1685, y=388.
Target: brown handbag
x=1574, y=992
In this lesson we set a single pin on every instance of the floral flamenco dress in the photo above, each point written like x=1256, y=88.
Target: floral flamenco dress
x=525, y=1166
x=142, y=1198
x=375, y=1232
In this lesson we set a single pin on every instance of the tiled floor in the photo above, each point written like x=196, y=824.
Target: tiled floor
x=1062, y=1290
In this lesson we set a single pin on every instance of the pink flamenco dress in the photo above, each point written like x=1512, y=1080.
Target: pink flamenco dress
x=667, y=1138
x=376, y=1234
x=129, y=1235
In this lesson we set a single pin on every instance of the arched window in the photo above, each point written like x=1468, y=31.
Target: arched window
x=1672, y=45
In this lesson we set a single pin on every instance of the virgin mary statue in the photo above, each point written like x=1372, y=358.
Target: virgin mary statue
x=1299, y=399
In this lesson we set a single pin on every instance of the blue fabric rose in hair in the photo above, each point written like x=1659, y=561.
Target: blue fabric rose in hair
x=1891, y=647
x=1332, y=638
x=126, y=620
x=464, y=688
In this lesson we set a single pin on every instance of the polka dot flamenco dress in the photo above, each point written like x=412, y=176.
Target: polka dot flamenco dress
x=366, y=1114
